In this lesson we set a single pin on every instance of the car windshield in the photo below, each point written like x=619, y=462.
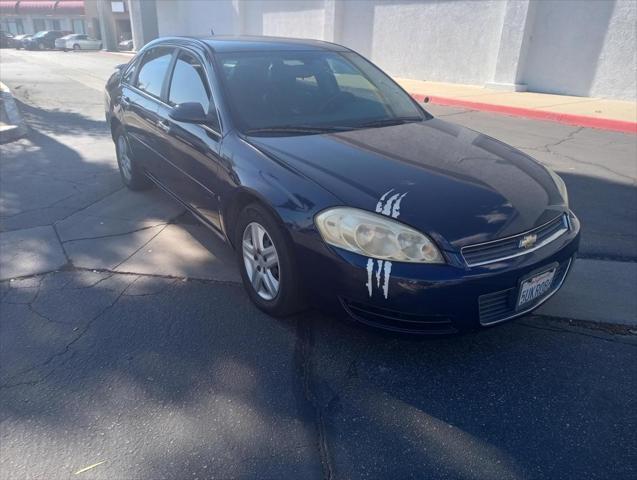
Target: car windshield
x=311, y=92
x=68, y=37
x=40, y=34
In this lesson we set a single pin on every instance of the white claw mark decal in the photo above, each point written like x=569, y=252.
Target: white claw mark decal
x=391, y=208
x=387, y=274
x=379, y=269
x=395, y=211
x=370, y=270
x=379, y=205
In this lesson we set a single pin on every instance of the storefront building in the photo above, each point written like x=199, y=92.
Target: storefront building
x=31, y=16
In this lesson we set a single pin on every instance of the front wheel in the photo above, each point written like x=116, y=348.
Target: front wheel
x=40, y=46
x=132, y=176
x=267, y=264
x=76, y=47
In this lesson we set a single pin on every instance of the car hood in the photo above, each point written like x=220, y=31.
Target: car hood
x=458, y=185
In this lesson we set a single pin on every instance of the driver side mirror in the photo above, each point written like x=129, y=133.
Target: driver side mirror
x=189, y=112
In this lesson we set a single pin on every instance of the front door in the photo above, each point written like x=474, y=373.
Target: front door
x=193, y=160
x=141, y=103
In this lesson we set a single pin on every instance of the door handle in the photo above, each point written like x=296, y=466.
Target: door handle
x=125, y=100
x=164, y=125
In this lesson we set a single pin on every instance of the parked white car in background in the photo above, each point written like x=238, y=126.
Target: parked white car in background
x=78, y=41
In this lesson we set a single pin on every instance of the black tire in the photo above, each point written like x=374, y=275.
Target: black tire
x=76, y=47
x=133, y=177
x=289, y=298
x=40, y=46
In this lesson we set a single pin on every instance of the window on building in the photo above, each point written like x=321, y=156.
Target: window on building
x=12, y=25
x=189, y=83
x=39, y=25
x=153, y=70
x=56, y=24
x=78, y=25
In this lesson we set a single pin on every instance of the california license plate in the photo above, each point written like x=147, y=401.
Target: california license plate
x=535, y=287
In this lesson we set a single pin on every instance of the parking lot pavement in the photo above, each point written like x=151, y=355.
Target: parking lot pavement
x=125, y=337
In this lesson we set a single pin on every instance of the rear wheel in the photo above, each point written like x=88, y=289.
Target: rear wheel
x=267, y=264
x=132, y=176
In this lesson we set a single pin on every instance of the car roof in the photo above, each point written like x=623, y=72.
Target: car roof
x=228, y=43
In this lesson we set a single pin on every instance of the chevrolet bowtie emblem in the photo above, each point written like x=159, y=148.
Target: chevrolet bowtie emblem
x=528, y=241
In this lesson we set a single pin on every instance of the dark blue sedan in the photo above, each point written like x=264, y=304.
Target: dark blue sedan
x=338, y=190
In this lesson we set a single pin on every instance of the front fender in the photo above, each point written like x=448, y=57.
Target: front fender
x=252, y=175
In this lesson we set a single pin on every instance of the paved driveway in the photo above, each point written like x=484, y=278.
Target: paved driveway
x=127, y=344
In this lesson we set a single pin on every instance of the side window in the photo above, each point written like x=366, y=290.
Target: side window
x=130, y=72
x=153, y=70
x=189, y=82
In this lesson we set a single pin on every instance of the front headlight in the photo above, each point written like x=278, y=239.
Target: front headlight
x=375, y=236
x=561, y=186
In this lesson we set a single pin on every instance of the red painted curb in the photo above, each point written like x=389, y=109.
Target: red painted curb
x=567, y=118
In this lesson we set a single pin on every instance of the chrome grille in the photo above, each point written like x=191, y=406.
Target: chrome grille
x=510, y=247
x=499, y=306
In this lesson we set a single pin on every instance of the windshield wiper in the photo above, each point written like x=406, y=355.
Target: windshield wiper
x=300, y=129
x=386, y=122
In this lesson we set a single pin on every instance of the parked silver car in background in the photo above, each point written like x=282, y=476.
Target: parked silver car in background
x=77, y=41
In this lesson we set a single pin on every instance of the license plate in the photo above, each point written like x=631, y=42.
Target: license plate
x=535, y=287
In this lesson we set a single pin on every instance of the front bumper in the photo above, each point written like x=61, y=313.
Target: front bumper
x=433, y=299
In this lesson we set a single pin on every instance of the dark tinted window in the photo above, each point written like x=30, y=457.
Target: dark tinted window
x=130, y=72
x=153, y=70
x=189, y=82
x=311, y=89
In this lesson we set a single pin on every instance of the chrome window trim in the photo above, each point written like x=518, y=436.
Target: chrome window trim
x=565, y=228
x=539, y=304
x=158, y=100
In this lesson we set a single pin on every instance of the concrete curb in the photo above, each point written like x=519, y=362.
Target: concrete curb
x=534, y=113
x=12, y=125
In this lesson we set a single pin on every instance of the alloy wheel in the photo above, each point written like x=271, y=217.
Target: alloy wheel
x=261, y=261
x=124, y=159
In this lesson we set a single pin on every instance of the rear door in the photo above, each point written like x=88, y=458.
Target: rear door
x=140, y=100
x=193, y=161
x=82, y=41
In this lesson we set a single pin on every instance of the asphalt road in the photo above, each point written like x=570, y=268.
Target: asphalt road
x=140, y=355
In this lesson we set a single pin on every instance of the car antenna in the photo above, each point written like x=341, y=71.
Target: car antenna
x=212, y=32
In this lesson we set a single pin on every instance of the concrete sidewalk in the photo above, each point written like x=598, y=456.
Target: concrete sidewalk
x=590, y=112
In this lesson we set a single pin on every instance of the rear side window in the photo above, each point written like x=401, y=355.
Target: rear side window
x=189, y=82
x=152, y=70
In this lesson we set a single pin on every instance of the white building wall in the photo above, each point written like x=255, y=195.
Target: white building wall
x=575, y=47
x=197, y=17
x=441, y=41
x=583, y=48
x=286, y=18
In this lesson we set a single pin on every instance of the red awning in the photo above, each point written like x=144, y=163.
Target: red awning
x=36, y=6
x=7, y=7
x=70, y=7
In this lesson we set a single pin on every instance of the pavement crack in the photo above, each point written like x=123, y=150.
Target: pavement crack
x=157, y=292
x=141, y=247
x=57, y=235
x=31, y=210
x=611, y=332
x=82, y=332
x=305, y=367
x=121, y=234
x=97, y=200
